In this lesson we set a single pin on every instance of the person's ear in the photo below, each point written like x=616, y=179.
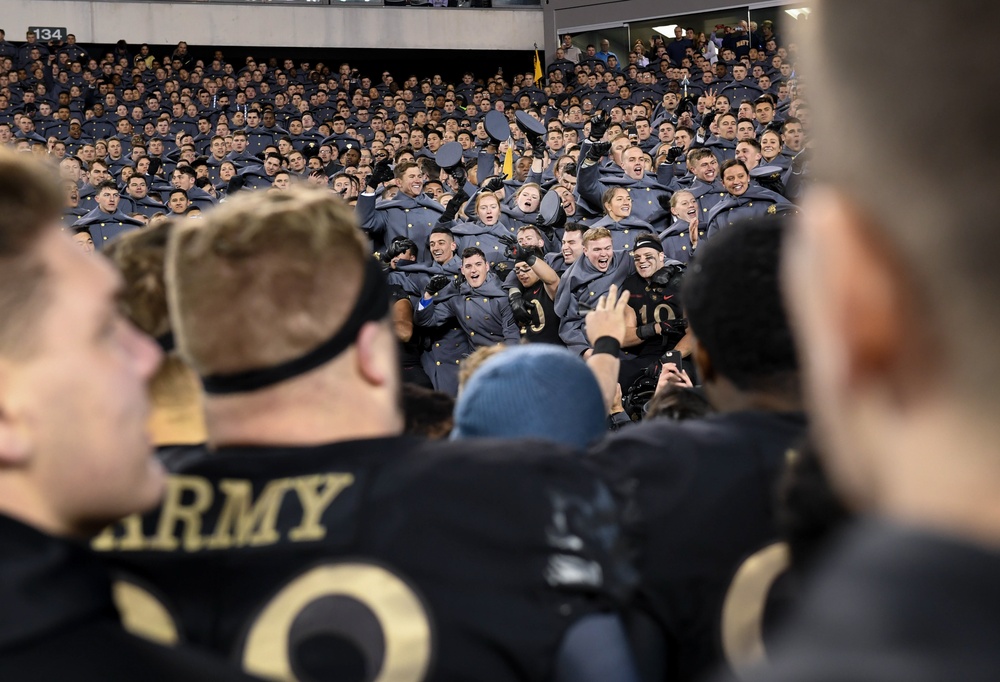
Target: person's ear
x=865, y=296
x=372, y=351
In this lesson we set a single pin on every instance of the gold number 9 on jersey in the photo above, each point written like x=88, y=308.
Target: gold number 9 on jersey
x=398, y=650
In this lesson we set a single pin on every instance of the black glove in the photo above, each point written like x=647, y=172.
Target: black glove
x=664, y=200
x=674, y=153
x=398, y=246
x=647, y=331
x=668, y=275
x=706, y=123
x=598, y=126
x=381, y=173
x=537, y=142
x=455, y=203
x=598, y=151
x=510, y=246
x=437, y=283
x=458, y=174
x=517, y=306
x=494, y=184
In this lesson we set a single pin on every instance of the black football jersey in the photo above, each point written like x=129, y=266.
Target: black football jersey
x=378, y=559
x=544, y=327
x=655, y=304
x=701, y=508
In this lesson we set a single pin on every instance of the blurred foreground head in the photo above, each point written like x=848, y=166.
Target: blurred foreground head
x=892, y=279
x=74, y=451
x=279, y=308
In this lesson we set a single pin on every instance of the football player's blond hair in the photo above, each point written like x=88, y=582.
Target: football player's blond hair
x=263, y=278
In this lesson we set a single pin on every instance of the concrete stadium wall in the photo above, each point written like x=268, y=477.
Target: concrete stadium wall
x=359, y=26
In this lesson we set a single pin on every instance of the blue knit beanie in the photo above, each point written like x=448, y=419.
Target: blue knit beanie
x=537, y=390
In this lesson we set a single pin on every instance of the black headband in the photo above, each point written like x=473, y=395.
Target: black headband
x=648, y=243
x=372, y=305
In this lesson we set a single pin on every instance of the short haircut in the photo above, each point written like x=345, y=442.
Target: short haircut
x=440, y=229
x=403, y=167
x=472, y=252
x=572, y=226
x=530, y=228
x=734, y=305
x=250, y=285
x=752, y=141
x=595, y=233
x=30, y=204
x=697, y=154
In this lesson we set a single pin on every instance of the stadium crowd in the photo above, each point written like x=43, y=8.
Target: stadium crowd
x=390, y=341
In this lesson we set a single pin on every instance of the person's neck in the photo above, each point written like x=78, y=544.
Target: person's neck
x=939, y=470
x=305, y=412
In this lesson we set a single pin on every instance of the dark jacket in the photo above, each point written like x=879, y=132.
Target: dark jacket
x=58, y=621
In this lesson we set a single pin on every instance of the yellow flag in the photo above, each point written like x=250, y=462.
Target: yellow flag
x=538, y=68
x=508, y=162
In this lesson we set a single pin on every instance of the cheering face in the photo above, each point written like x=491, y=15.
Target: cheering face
x=619, y=206
x=412, y=182
x=706, y=169
x=685, y=207
x=736, y=180
x=600, y=252
x=475, y=269
x=770, y=145
x=632, y=163
x=647, y=261
x=525, y=275
x=572, y=247
x=442, y=247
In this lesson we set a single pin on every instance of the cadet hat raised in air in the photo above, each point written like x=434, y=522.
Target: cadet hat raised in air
x=548, y=210
x=496, y=127
x=529, y=124
x=449, y=155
